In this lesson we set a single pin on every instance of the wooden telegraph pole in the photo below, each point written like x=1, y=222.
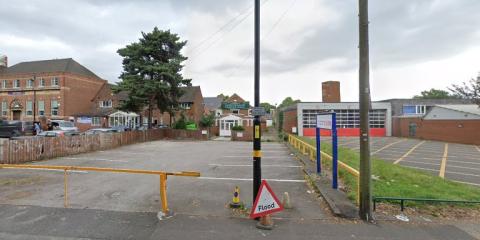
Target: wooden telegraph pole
x=364, y=95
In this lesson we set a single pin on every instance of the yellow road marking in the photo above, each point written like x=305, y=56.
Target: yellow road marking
x=408, y=153
x=389, y=145
x=444, y=162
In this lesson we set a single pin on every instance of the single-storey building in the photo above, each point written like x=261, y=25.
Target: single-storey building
x=300, y=118
x=458, y=123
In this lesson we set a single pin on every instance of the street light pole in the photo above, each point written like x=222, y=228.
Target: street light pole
x=257, y=169
x=365, y=210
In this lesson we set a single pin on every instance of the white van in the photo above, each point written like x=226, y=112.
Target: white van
x=64, y=126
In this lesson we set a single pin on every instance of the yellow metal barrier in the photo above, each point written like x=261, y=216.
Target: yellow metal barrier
x=163, y=176
x=305, y=148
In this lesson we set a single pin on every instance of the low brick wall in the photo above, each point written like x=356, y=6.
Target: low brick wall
x=35, y=149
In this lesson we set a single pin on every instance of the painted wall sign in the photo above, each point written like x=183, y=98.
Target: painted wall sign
x=235, y=105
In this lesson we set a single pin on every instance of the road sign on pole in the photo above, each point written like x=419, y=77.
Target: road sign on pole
x=266, y=202
x=328, y=121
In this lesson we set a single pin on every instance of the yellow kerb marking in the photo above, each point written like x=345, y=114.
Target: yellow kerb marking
x=408, y=153
x=444, y=162
x=389, y=145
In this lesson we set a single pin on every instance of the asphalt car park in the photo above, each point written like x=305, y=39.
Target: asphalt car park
x=223, y=166
x=453, y=161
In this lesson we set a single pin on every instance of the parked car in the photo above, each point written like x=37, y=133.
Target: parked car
x=15, y=128
x=122, y=128
x=53, y=133
x=99, y=131
x=64, y=126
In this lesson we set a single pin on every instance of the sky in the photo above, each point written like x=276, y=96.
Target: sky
x=414, y=44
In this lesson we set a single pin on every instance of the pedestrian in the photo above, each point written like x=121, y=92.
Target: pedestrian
x=37, y=127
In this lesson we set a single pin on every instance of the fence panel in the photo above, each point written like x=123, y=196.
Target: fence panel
x=35, y=149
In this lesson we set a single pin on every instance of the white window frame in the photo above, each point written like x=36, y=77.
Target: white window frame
x=29, y=108
x=4, y=83
x=30, y=83
x=4, y=108
x=54, y=82
x=96, y=121
x=236, y=110
x=16, y=83
x=420, y=109
x=105, y=103
x=41, y=82
x=185, y=106
x=41, y=108
x=54, y=110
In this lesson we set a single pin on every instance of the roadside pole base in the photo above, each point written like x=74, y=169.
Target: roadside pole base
x=235, y=205
x=265, y=223
x=164, y=215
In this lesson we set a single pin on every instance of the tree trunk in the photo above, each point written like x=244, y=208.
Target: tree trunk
x=149, y=116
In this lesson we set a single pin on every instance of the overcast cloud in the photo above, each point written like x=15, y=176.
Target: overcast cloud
x=415, y=44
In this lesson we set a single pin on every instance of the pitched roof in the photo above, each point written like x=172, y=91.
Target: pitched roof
x=189, y=94
x=55, y=65
x=234, y=98
x=212, y=102
x=466, y=108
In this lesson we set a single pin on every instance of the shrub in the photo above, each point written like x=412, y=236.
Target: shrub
x=238, y=128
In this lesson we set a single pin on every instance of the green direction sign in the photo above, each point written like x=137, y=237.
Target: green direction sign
x=235, y=105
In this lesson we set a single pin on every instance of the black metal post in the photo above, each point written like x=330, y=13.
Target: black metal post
x=257, y=168
x=34, y=98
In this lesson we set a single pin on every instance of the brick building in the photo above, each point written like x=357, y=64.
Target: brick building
x=190, y=105
x=300, y=118
x=458, y=123
x=48, y=89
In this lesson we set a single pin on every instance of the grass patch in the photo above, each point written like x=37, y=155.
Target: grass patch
x=399, y=181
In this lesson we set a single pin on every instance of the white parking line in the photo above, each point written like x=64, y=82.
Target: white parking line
x=250, y=165
x=437, y=164
x=95, y=159
x=249, y=179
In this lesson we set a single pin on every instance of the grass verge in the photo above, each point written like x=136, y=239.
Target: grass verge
x=390, y=180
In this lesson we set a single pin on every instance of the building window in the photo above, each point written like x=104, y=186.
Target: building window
x=41, y=108
x=105, y=104
x=346, y=118
x=4, y=83
x=54, y=82
x=16, y=83
x=185, y=105
x=41, y=82
x=96, y=121
x=235, y=111
x=4, y=108
x=54, y=108
x=29, y=108
x=414, y=109
x=30, y=83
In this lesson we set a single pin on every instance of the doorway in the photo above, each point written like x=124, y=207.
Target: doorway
x=16, y=114
x=227, y=123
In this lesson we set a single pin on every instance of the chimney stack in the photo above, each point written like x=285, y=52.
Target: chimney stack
x=3, y=61
x=331, y=92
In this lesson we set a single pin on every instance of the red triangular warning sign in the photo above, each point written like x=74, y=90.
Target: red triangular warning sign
x=266, y=202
